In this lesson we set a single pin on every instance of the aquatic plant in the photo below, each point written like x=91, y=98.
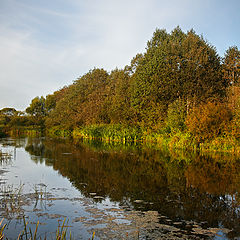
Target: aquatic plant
x=2, y=229
x=32, y=234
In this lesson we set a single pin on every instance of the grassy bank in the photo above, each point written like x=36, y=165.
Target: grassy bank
x=126, y=134
x=123, y=134
x=163, y=137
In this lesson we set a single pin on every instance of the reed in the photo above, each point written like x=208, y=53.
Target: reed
x=28, y=234
x=2, y=226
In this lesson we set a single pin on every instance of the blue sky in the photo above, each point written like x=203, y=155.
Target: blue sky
x=45, y=44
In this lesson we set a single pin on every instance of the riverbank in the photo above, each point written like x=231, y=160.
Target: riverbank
x=179, y=140
x=164, y=137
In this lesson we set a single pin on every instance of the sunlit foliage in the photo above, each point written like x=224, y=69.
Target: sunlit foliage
x=178, y=85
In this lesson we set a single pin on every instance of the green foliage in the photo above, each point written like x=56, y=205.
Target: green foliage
x=176, y=115
x=150, y=100
x=37, y=107
x=231, y=66
x=50, y=102
x=109, y=132
x=8, y=112
x=4, y=120
x=118, y=97
x=176, y=65
x=2, y=132
x=82, y=102
x=18, y=121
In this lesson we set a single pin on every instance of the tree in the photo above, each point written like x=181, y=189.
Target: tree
x=37, y=110
x=118, y=96
x=37, y=107
x=8, y=112
x=231, y=65
x=176, y=115
x=176, y=65
x=82, y=102
x=208, y=120
x=231, y=74
x=50, y=103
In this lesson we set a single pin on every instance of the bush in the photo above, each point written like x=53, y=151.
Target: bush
x=208, y=121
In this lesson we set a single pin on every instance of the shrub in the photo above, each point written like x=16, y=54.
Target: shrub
x=208, y=121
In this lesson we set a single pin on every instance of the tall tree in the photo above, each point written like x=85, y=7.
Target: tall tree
x=176, y=65
x=82, y=102
x=37, y=107
x=231, y=65
x=118, y=96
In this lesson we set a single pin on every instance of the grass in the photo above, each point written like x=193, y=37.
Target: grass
x=28, y=234
x=164, y=137
x=123, y=134
x=2, y=227
x=11, y=200
x=32, y=234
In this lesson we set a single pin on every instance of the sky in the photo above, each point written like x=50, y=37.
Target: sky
x=47, y=44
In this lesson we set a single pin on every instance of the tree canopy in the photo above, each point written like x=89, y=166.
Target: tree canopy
x=178, y=72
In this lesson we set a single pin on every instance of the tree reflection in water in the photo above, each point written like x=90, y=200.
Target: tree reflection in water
x=180, y=185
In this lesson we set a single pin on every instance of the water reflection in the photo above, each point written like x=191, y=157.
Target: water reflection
x=179, y=185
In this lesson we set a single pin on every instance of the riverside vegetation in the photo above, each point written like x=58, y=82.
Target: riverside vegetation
x=179, y=93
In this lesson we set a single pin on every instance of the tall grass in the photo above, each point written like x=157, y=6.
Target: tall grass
x=32, y=234
x=2, y=227
x=165, y=137
x=109, y=133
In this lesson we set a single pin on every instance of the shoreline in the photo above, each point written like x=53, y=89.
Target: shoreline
x=125, y=135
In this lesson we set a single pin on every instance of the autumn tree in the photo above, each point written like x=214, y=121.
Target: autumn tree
x=37, y=107
x=231, y=65
x=37, y=110
x=208, y=120
x=176, y=65
x=118, y=97
x=82, y=102
x=8, y=112
x=231, y=74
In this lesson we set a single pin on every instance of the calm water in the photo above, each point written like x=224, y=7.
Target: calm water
x=118, y=192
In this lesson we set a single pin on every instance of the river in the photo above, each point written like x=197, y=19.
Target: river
x=117, y=191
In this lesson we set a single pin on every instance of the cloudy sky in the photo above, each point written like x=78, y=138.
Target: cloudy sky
x=46, y=44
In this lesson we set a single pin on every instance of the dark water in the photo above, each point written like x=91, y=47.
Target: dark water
x=118, y=192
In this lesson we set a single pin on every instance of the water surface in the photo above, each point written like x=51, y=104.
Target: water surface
x=118, y=192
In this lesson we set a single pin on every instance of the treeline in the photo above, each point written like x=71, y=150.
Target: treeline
x=179, y=84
